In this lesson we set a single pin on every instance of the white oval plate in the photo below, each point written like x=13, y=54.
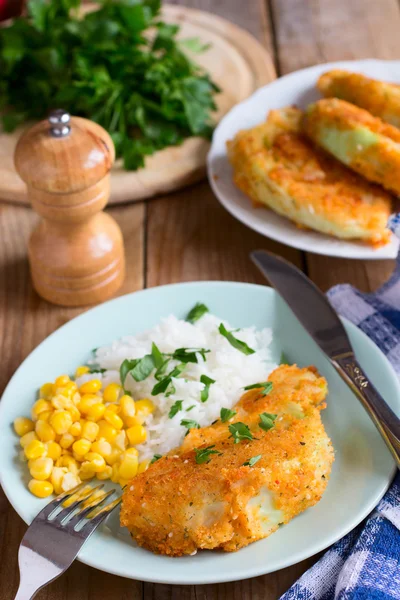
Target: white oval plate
x=297, y=88
x=362, y=470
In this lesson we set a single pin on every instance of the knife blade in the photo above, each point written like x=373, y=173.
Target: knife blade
x=319, y=318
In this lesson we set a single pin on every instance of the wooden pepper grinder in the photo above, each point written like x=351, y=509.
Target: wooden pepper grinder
x=76, y=252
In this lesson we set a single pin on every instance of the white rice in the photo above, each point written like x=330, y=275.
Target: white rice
x=231, y=369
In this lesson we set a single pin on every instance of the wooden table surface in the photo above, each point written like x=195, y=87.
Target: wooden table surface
x=187, y=236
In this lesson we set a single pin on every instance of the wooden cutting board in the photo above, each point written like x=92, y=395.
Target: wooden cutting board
x=238, y=64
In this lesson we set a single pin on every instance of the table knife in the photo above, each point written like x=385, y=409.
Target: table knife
x=318, y=317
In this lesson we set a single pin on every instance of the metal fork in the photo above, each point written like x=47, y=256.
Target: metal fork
x=56, y=535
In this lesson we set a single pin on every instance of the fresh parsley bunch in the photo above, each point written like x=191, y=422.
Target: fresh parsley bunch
x=120, y=66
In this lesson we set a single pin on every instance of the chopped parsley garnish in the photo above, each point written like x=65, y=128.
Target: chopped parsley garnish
x=239, y=432
x=158, y=356
x=203, y=455
x=190, y=407
x=197, y=312
x=267, y=421
x=252, y=461
x=265, y=385
x=97, y=370
x=238, y=344
x=226, y=414
x=175, y=408
x=187, y=355
x=206, y=390
x=190, y=424
x=155, y=457
x=139, y=368
x=284, y=359
x=163, y=384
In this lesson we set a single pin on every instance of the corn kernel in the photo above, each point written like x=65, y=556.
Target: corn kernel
x=22, y=425
x=96, y=461
x=81, y=447
x=127, y=405
x=121, y=441
x=70, y=463
x=82, y=370
x=129, y=466
x=78, y=457
x=88, y=400
x=115, y=408
x=41, y=489
x=69, y=481
x=113, y=457
x=86, y=471
x=40, y=468
x=47, y=390
x=53, y=450
x=111, y=392
x=115, y=473
x=39, y=406
x=136, y=434
x=102, y=447
x=105, y=474
x=106, y=431
x=113, y=419
x=75, y=429
x=61, y=421
x=66, y=440
x=90, y=431
x=35, y=449
x=131, y=421
x=130, y=452
x=46, y=414
x=68, y=390
x=61, y=380
x=144, y=407
x=44, y=431
x=143, y=466
x=27, y=438
x=56, y=478
x=74, y=412
x=60, y=402
x=96, y=411
x=91, y=387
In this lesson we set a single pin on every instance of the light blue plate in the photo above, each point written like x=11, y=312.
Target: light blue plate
x=362, y=470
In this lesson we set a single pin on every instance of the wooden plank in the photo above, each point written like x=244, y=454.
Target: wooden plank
x=316, y=31
x=25, y=320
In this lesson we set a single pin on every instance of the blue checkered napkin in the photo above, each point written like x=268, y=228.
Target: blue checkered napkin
x=365, y=564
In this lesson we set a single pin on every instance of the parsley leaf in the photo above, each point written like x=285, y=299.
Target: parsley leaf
x=175, y=408
x=267, y=421
x=203, y=455
x=226, y=414
x=252, y=461
x=197, y=312
x=158, y=356
x=239, y=432
x=145, y=90
x=139, y=368
x=205, y=392
x=190, y=424
x=238, y=344
x=163, y=384
x=284, y=359
x=187, y=355
x=155, y=457
x=265, y=385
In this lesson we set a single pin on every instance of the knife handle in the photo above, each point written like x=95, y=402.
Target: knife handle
x=385, y=420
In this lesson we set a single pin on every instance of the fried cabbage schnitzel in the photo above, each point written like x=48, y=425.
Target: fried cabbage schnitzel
x=235, y=482
x=277, y=166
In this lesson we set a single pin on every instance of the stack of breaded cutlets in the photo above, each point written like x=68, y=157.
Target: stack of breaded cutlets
x=333, y=168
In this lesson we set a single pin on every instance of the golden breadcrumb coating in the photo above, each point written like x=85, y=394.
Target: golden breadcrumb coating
x=178, y=506
x=377, y=97
x=277, y=166
x=361, y=141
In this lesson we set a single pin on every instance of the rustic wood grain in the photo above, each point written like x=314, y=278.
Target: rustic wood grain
x=25, y=320
x=316, y=31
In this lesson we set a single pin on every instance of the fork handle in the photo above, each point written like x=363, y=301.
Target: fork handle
x=385, y=420
x=35, y=572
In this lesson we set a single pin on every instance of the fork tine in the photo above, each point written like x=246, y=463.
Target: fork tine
x=71, y=503
x=50, y=508
x=88, y=507
x=100, y=514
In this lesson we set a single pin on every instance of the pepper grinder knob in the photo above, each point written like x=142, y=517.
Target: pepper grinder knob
x=76, y=252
